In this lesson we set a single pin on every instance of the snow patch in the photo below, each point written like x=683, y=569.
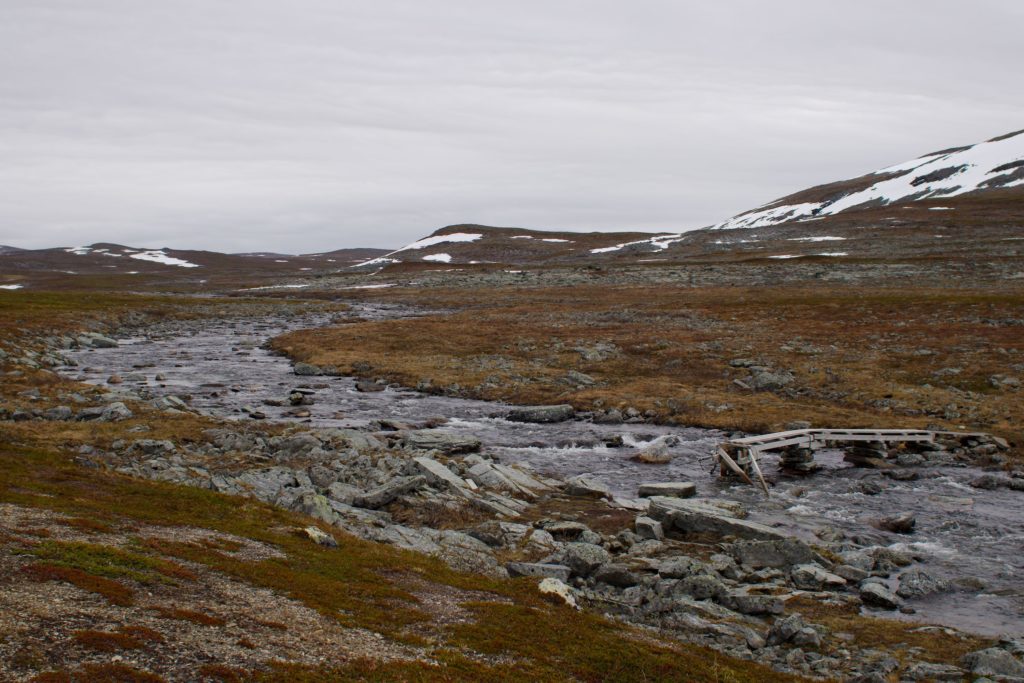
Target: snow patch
x=78, y=251
x=159, y=256
x=255, y=289
x=440, y=258
x=823, y=238
x=11, y=287
x=980, y=166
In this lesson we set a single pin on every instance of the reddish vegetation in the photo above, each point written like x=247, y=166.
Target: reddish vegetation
x=114, y=591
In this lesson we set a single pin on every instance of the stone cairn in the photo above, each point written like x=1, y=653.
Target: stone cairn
x=867, y=454
x=798, y=460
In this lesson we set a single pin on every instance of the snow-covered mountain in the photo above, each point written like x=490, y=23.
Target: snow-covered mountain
x=995, y=164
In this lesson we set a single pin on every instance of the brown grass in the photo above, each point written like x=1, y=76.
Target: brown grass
x=853, y=352
x=115, y=592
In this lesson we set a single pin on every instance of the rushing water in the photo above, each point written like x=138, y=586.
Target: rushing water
x=962, y=533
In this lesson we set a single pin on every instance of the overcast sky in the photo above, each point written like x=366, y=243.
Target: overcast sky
x=308, y=125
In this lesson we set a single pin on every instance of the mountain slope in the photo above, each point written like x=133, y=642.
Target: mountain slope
x=992, y=165
x=481, y=244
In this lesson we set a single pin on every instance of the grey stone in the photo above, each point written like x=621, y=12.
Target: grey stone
x=439, y=475
x=58, y=413
x=98, y=341
x=701, y=587
x=694, y=516
x=992, y=662
x=782, y=553
x=813, y=577
x=382, y=495
x=746, y=603
x=542, y=414
x=851, y=573
x=917, y=583
x=115, y=412
x=680, y=567
x=877, y=595
x=539, y=569
x=647, y=528
x=675, y=489
x=440, y=440
x=343, y=493
x=314, y=505
x=586, y=486
x=783, y=630
x=584, y=558
x=617, y=575
x=929, y=671
x=899, y=524
x=320, y=537
x=306, y=370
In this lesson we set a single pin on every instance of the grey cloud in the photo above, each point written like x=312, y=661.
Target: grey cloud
x=316, y=124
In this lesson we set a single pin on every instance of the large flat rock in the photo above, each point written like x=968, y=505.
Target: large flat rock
x=696, y=516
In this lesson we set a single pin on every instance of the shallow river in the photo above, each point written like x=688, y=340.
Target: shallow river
x=962, y=533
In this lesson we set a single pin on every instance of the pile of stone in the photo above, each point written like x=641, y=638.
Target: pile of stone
x=869, y=454
x=798, y=460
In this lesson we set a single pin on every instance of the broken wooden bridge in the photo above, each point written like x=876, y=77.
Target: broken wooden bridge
x=740, y=456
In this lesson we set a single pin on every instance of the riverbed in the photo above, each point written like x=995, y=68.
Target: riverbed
x=971, y=537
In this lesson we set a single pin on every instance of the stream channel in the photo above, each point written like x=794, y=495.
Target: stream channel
x=971, y=537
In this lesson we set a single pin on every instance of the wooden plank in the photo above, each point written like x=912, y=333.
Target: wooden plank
x=733, y=466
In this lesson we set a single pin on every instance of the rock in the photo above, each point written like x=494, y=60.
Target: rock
x=568, y=530
x=585, y=486
x=539, y=569
x=695, y=516
x=675, y=489
x=320, y=537
x=878, y=595
x=369, y=387
x=813, y=577
x=992, y=662
x=98, y=341
x=929, y=671
x=439, y=475
x=656, y=454
x=584, y=558
x=484, y=473
x=115, y=412
x=899, y=524
x=343, y=493
x=917, y=583
x=440, y=440
x=782, y=553
x=542, y=414
x=701, y=587
x=783, y=630
x=650, y=529
x=382, y=495
x=115, y=379
x=617, y=575
x=745, y=603
x=557, y=588
x=990, y=482
x=58, y=413
x=769, y=380
x=869, y=487
x=851, y=574
x=306, y=370
x=680, y=567
x=314, y=505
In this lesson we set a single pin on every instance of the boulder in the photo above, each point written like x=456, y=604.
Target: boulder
x=813, y=577
x=542, y=414
x=877, y=595
x=306, y=370
x=695, y=516
x=617, y=575
x=584, y=558
x=674, y=489
x=782, y=553
x=382, y=495
x=586, y=486
x=320, y=537
x=539, y=570
x=558, y=589
x=115, y=412
x=917, y=583
x=746, y=603
x=899, y=524
x=649, y=529
x=439, y=475
x=992, y=662
x=440, y=440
